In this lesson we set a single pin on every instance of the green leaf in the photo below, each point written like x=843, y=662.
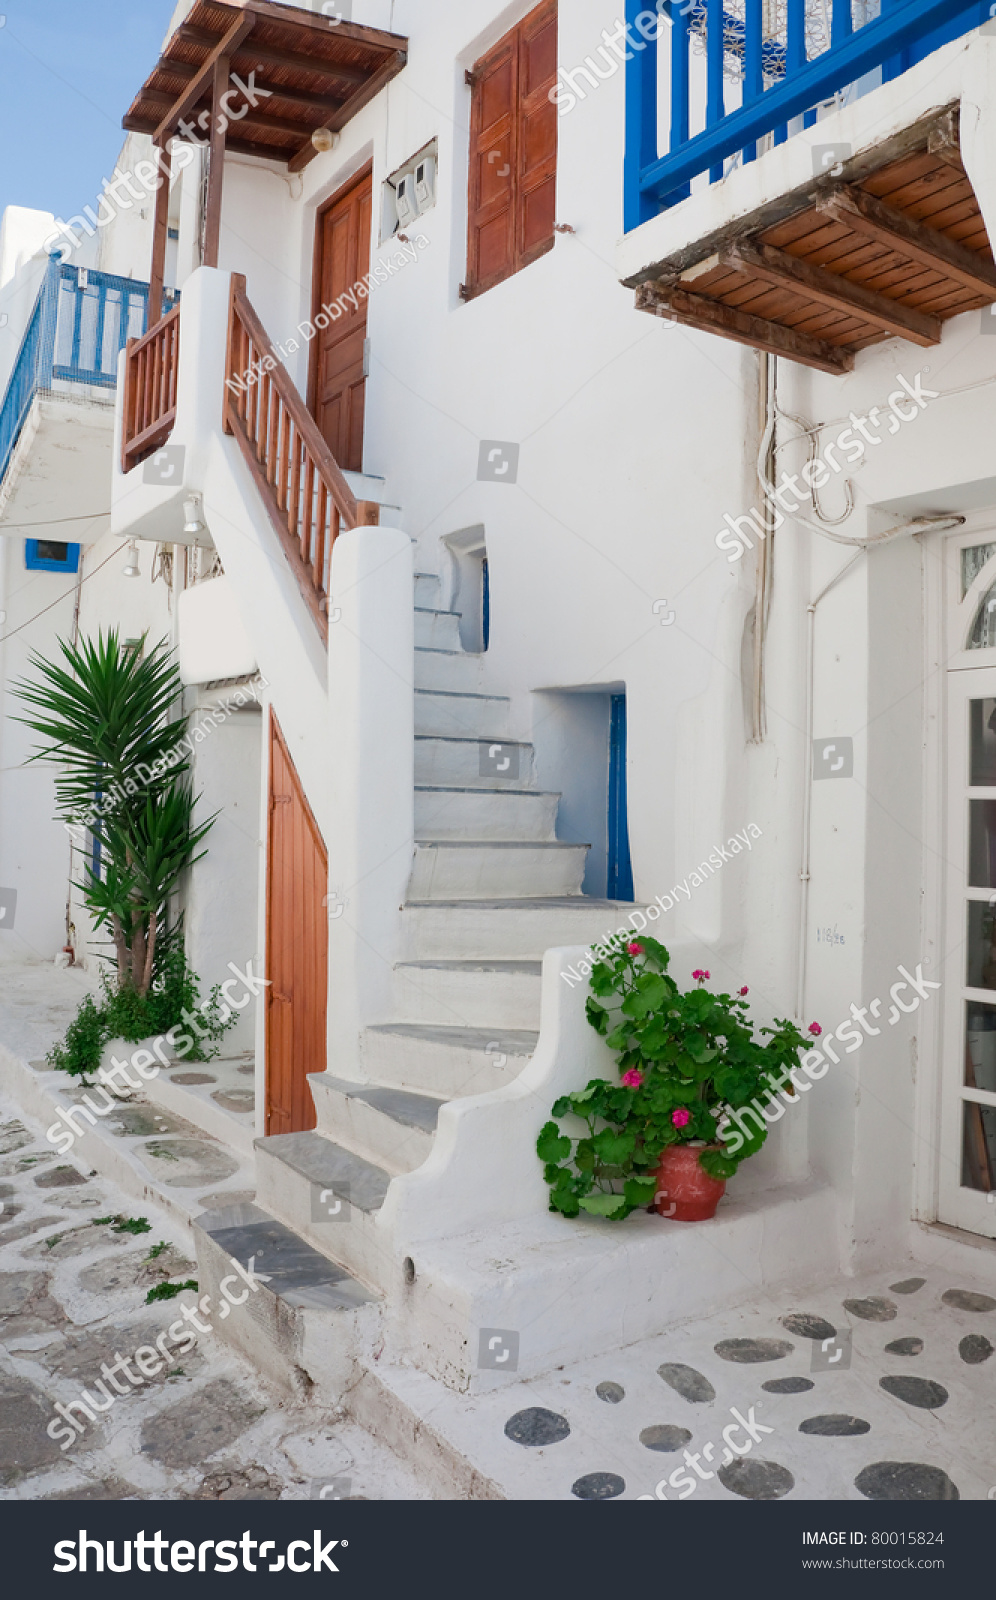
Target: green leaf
x=647, y=995
x=613, y=1148
x=612, y=1206
x=639, y=1191
x=717, y=1165
x=565, y=1202
x=552, y=1145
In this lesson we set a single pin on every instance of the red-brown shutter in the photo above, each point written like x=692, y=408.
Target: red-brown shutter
x=513, y=152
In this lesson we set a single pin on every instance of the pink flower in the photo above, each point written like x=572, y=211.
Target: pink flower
x=745, y=990
x=632, y=1079
x=681, y=1117
x=815, y=1029
x=634, y=949
x=700, y=974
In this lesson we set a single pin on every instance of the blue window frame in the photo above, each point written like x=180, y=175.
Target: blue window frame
x=51, y=555
x=620, y=877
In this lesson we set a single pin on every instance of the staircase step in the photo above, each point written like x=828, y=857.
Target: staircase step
x=495, y=994
x=329, y=1196
x=427, y=588
x=477, y=716
x=391, y=1127
x=479, y=869
x=309, y=1318
x=438, y=630
x=443, y=812
x=455, y=670
x=473, y=763
x=449, y=1062
x=501, y=928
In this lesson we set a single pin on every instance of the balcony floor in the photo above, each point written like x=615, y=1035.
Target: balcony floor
x=893, y=244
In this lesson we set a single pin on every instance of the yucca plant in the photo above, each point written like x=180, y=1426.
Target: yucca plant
x=111, y=728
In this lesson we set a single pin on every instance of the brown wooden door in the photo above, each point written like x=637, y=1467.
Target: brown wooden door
x=297, y=947
x=342, y=261
x=513, y=152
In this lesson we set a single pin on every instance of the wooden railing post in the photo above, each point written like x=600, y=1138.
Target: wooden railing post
x=367, y=514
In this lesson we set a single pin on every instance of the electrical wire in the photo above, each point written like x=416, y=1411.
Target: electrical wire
x=59, y=600
x=81, y=516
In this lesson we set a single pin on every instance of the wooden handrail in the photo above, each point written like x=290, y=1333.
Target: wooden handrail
x=302, y=485
x=152, y=367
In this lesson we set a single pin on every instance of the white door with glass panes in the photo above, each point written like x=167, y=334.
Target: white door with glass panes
x=967, y=1178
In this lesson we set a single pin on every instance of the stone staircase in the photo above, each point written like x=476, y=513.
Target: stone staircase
x=491, y=888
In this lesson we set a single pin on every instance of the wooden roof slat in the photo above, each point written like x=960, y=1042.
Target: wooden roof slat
x=695, y=311
x=841, y=294
x=904, y=234
x=276, y=56
x=203, y=82
x=355, y=103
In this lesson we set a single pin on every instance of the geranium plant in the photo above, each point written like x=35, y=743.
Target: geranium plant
x=685, y=1057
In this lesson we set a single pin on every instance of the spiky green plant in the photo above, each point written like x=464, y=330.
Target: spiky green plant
x=112, y=730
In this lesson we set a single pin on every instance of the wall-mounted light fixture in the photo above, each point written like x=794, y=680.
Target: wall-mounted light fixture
x=193, y=521
x=324, y=140
x=132, y=568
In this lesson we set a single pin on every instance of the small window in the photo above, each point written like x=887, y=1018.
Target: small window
x=513, y=153
x=49, y=555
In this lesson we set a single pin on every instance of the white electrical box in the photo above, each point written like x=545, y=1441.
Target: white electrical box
x=406, y=203
x=425, y=183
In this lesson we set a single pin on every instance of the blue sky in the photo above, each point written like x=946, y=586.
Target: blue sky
x=69, y=69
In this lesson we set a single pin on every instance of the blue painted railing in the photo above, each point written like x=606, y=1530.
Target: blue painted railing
x=778, y=83
x=80, y=323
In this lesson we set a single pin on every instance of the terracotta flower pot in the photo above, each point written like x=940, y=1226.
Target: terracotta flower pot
x=685, y=1192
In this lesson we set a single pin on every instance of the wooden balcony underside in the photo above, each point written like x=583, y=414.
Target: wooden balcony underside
x=879, y=252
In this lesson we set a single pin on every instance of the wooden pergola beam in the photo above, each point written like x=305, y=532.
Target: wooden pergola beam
x=160, y=236
x=712, y=316
x=944, y=140
x=216, y=167
x=205, y=77
x=319, y=103
x=865, y=214
x=786, y=271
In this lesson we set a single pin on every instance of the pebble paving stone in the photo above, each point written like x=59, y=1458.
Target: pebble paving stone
x=240, y=1100
x=905, y=1480
x=835, y=1425
x=599, y=1486
x=905, y=1347
x=754, y=1479
x=13, y=1136
x=537, y=1426
x=76, y=1242
x=25, y=1413
x=921, y=1392
x=60, y=1178
x=240, y=1483
x=788, y=1385
x=188, y=1432
x=106, y=1489
x=806, y=1325
x=874, y=1308
x=187, y=1163
x=750, y=1351
x=687, y=1382
x=612, y=1393
x=907, y=1285
x=26, y=1305
x=664, y=1437
x=975, y=1348
x=965, y=1300
x=192, y=1078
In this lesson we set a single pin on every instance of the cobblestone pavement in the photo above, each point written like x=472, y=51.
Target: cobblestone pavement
x=73, y=1289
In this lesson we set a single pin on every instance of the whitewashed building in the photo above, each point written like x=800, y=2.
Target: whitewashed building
x=458, y=424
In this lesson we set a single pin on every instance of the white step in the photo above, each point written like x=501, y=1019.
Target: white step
x=443, y=812
x=427, y=589
x=505, y=929
x=453, y=670
x=446, y=1062
x=390, y=1127
x=485, y=763
x=437, y=630
x=310, y=1319
x=469, y=994
x=481, y=716
x=331, y=1198
x=448, y=869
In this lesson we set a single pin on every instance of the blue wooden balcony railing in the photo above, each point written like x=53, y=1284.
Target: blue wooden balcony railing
x=778, y=81
x=80, y=322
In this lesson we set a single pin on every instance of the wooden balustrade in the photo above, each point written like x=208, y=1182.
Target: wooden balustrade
x=302, y=485
x=149, y=404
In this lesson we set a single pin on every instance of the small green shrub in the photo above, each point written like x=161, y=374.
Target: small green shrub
x=169, y=1291
x=120, y=1224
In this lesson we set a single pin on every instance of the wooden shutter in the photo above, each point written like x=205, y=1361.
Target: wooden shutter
x=513, y=152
